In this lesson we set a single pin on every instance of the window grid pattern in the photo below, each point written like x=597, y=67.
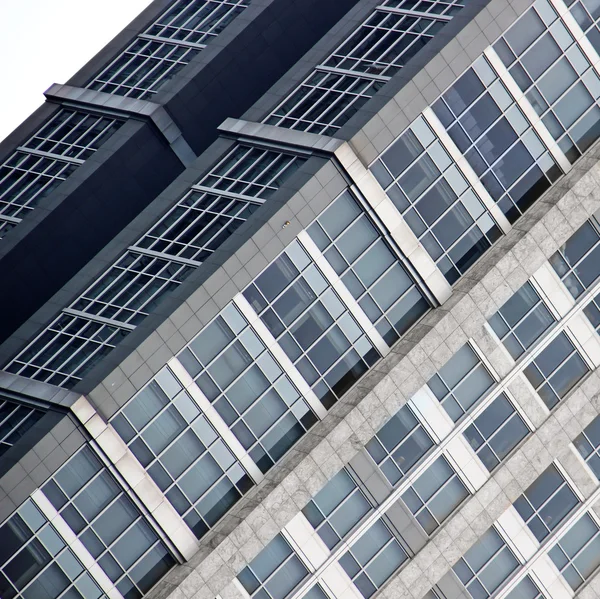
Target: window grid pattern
x=368, y=268
x=15, y=420
x=435, y=200
x=108, y=524
x=522, y=320
x=399, y=445
x=486, y=566
x=373, y=558
x=311, y=324
x=435, y=495
x=492, y=133
x=360, y=66
x=587, y=16
x=248, y=388
x=577, y=553
x=46, y=159
x=180, y=450
x=170, y=43
x=588, y=445
x=592, y=311
x=557, y=78
x=275, y=572
x=461, y=383
x=155, y=265
x=336, y=510
x=496, y=432
x=556, y=370
x=577, y=261
x=36, y=562
x=546, y=503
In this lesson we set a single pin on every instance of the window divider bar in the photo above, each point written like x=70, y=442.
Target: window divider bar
x=412, y=13
x=50, y=155
x=168, y=40
x=99, y=319
x=530, y=113
x=10, y=219
x=164, y=256
x=467, y=170
x=334, y=280
x=77, y=547
x=286, y=364
x=215, y=419
x=228, y=194
x=358, y=74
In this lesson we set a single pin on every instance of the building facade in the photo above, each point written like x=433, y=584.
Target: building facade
x=342, y=340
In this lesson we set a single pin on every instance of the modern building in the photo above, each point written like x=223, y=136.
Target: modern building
x=302, y=301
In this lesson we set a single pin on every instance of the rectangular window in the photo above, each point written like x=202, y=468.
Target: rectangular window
x=556, y=77
x=180, y=450
x=592, y=311
x=15, y=420
x=337, y=509
x=496, y=432
x=588, y=445
x=311, y=323
x=522, y=320
x=556, y=370
x=379, y=47
x=435, y=200
x=435, y=495
x=546, y=503
x=275, y=572
x=108, y=524
x=373, y=558
x=461, y=383
x=490, y=130
x=526, y=589
x=485, y=567
x=248, y=388
x=399, y=445
x=577, y=261
x=35, y=560
x=47, y=159
x=577, y=553
x=357, y=252
x=163, y=49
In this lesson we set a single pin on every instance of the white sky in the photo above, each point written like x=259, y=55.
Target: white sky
x=47, y=41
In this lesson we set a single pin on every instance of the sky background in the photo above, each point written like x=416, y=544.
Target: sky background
x=47, y=41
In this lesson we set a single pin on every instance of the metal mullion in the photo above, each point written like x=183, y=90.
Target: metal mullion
x=131, y=79
x=487, y=441
x=156, y=72
x=230, y=9
x=224, y=193
x=270, y=185
x=280, y=567
x=248, y=152
x=505, y=546
x=98, y=319
x=264, y=163
x=354, y=53
x=163, y=256
x=350, y=73
x=109, y=124
x=536, y=511
x=49, y=155
x=195, y=215
x=169, y=40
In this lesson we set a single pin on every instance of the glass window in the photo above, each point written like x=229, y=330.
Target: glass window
x=496, y=432
x=337, y=509
x=373, y=558
x=275, y=572
x=577, y=261
x=526, y=589
x=556, y=370
x=108, y=524
x=546, y=503
x=588, y=445
x=522, y=320
x=461, y=382
x=435, y=495
x=180, y=450
x=435, y=200
x=367, y=266
x=577, y=553
x=15, y=420
x=311, y=324
x=399, y=445
x=486, y=566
